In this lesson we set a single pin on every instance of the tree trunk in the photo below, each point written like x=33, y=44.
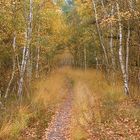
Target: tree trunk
x=28, y=34
x=14, y=66
x=38, y=56
x=85, y=58
x=37, y=61
x=99, y=34
x=111, y=42
x=123, y=70
x=127, y=53
x=111, y=48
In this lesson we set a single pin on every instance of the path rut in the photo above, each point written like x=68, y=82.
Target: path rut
x=59, y=128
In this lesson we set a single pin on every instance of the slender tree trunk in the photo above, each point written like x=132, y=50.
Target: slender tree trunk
x=29, y=72
x=22, y=70
x=99, y=33
x=37, y=61
x=126, y=87
x=127, y=53
x=111, y=42
x=85, y=58
x=14, y=66
x=26, y=50
x=111, y=48
x=38, y=56
x=97, y=63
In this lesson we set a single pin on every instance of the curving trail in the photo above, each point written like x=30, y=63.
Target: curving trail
x=60, y=127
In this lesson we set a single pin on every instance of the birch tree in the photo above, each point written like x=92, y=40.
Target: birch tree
x=122, y=64
x=14, y=65
x=15, y=56
x=37, y=55
x=99, y=33
x=26, y=49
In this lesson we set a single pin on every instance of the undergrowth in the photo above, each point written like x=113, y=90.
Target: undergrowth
x=101, y=109
x=30, y=119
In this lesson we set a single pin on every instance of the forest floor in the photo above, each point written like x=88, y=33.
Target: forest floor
x=72, y=104
x=59, y=127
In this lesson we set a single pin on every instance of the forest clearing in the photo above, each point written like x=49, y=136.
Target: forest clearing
x=69, y=70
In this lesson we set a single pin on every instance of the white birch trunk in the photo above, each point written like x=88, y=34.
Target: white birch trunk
x=123, y=70
x=29, y=73
x=127, y=53
x=26, y=50
x=14, y=66
x=111, y=42
x=111, y=49
x=99, y=33
x=37, y=61
x=38, y=56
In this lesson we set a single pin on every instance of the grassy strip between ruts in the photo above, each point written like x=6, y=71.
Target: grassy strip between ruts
x=101, y=110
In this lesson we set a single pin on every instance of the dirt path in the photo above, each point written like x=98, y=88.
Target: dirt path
x=59, y=128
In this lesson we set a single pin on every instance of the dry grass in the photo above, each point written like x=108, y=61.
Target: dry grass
x=50, y=90
x=101, y=110
x=47, y=94
x=14, y=120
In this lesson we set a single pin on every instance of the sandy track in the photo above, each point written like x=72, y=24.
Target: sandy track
x=59, y=128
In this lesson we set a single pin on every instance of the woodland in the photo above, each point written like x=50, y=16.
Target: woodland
x=69, y=69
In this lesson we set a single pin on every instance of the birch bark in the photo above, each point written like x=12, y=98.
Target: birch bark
x=28, y=34
x=99, y=32
x=38, y=56
x=123, y=70
x=127, y=53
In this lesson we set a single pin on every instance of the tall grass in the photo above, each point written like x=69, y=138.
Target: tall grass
x=47, y=93
x=101, y=108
